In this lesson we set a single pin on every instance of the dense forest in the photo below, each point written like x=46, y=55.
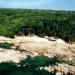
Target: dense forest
x=40, y=22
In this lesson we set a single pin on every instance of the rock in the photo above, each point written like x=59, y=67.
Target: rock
x=59, y=41
x=11, y=55
x=59, y=73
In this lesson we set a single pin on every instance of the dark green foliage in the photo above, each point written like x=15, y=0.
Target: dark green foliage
x=40, y=22
x=5, y=45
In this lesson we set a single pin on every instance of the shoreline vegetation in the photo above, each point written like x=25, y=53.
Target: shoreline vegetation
x=39, y=22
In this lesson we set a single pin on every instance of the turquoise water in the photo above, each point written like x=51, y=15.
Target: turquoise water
x=5, y=45
x=29, y=66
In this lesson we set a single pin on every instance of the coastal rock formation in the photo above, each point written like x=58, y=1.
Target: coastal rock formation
x=22, y=46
